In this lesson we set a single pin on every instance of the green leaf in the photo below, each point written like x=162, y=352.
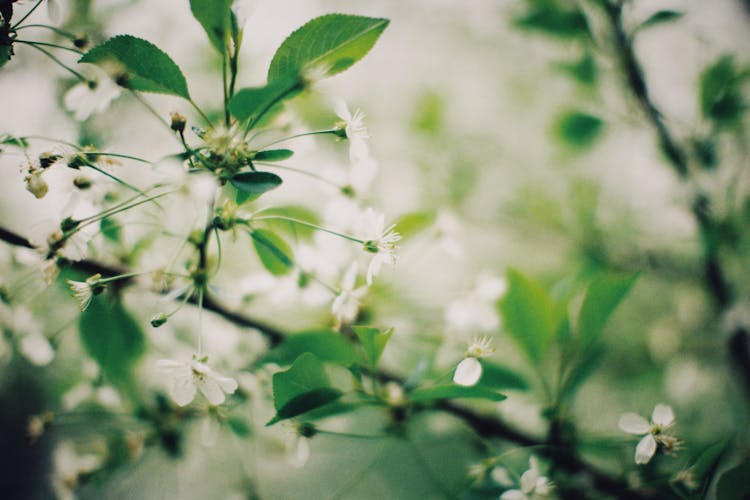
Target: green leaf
x=529, y=315
x=255, y=183
x=239, y=426
x=301, y=388
x=705, y=466
x=295, y=212
x=332, y=42
x=373, y=342
x=111, y=337
x=252, y=103
x=501, y=377
x=111, y=229
x=577, y=129
x=583, y=70
x=273, y=155
x=721, y=96
x=551, y=18
x=148, y=68
x=413, y=223
x=326, y=345
x=602, y=298
x=215, y=17
x=274, y=253
x=733, y=484
x=661, y=17
x=439, y=392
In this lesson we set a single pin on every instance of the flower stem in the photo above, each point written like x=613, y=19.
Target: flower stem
x=309, y=224
x=27, y=15
x=45, y=44
x=59, y=62
x=303, y=134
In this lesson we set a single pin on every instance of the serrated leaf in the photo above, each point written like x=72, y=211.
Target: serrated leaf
x=111, y=337
x=301, y=388
x=577, y=129
x=603, y=296
x=529, y=315
x=373, y=342
x=273, y=252
x=332, y=42
x=501, y=377
x=439, y=392
x=273, y=155
x=326, y=345
x=661, y=17
x=255, y=183
x=215, y=17
x=148, y=68
x=252, y=103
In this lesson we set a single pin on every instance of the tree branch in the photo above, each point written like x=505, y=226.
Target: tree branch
x=486, y=426
x=738, y=344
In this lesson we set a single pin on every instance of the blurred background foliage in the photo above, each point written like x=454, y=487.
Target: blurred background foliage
x=573, y=141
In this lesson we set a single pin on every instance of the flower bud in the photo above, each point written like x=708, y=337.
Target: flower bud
x=177, y=122
x=159, y=320
x=36, y=185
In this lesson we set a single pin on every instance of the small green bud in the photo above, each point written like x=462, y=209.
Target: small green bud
x=159, y=320
x=371, y=246
x=348, y=191
x=81, y=40
x=82, y=182
x=307, y=430
x=47, y=159
x=77, y=161
x=68, y=224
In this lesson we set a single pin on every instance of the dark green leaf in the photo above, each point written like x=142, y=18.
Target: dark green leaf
x=112, y=337
x=529, y=315
x=501, y=377
x=306, y=402
x=661, y=17
x=584, y=70
x=602, y=298
x=373, y=342
x=214, y=16
x=255, y=183
x=273, y=155
x=326, y=345
x=301, y=388
x=551, y=18
x=148, y=68
x=721, y=96
x=438, y=392
x=331, y=43
x=733, y=484
x=253, y=102
x=578, y=129
x=702, y=471
x=274, y=253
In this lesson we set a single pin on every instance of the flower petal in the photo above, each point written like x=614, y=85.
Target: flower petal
x=663, y=415
x=210, y=388
x=645, y=449
x=633, y=423
x=468, y=372
x=183, y=389
x=513, y=495
x=227, y=384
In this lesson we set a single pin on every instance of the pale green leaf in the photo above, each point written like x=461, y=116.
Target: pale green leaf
x=326, y=345
x=274, y=253
x=373, y=342
x=602, y=298
x=439, y=392
x=331, y=43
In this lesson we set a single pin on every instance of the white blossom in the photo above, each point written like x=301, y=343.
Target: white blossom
x=533, y=485
x=654, y=432
x=355, y=131
x=68, y=467
x=93, y=96
x=186, y=378
x=476, y=310
x=346, y=304
x=84, y=291
x=469, y=370
x=378, y=239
